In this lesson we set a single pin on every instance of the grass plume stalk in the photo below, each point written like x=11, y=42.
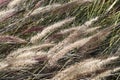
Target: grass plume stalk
x=49, y=29
x=85, y=67
x=73, y=36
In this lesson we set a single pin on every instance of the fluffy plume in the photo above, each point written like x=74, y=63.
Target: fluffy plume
x=22, y=61
x=59, y=35
x=43, y=10
x=73, y=36
x=58, y=8
x=34, y=48
x=60, y=49
x=4, y=2
x=3, y=65
x=83, y=68
x=106, y=73
x=11, y=39
x=83, y=43
x=70, y=30
x=61, y=53
x=70, y=5
x=15, y=3
x=25, y=57
x=51, y=28
x=6, y=14
x=95, y=41
x=21, y=64
x=66, y=31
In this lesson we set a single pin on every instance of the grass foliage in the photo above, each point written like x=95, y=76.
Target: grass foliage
x=59, y=39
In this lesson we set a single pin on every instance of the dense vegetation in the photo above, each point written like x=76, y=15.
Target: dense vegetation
x=59, y=39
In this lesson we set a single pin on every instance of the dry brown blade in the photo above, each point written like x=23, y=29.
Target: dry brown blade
x=11, y=39
x=83, y=68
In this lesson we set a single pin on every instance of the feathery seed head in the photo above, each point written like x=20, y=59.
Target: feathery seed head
x=51, y=28
x=3, y=65
x=6, y=14
x=86, y=67
x=44, y=9
x=54, y=58
x=15, y=3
